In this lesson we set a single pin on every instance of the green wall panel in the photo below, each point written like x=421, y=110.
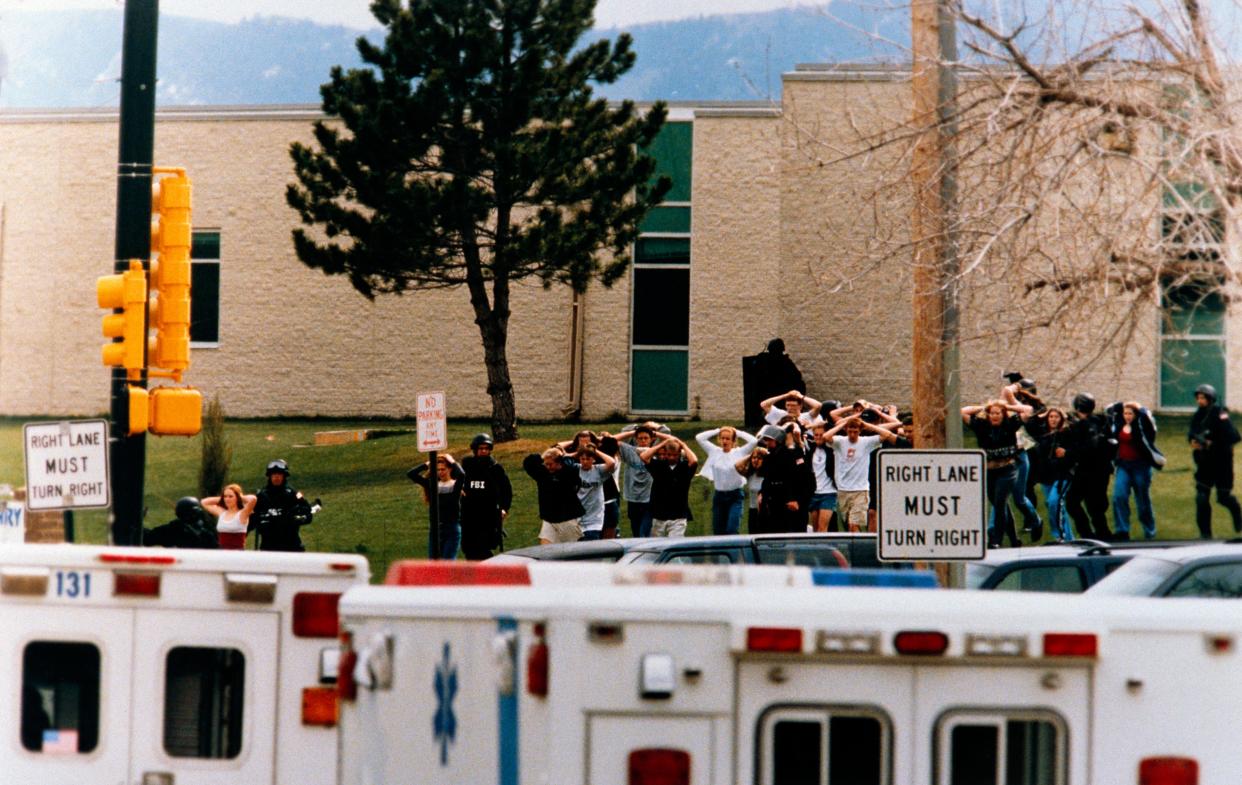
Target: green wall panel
x=658, y=381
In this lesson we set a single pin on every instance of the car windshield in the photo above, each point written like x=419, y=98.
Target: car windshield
x=1138, y=577
x=977, y=573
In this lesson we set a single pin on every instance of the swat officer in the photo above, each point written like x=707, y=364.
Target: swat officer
x=188, y=529
x=485, y=500
x=280, y=512
x=1094, y=450
x=1212, y=436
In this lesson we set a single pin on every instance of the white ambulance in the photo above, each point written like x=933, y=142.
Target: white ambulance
x=169, y=667
x=738, y=678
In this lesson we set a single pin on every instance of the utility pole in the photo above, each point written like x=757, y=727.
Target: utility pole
x=936, y=395
x=133, y=241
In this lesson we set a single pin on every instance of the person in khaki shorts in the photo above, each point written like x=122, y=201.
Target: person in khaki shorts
x=852, y=453
x=556, y=477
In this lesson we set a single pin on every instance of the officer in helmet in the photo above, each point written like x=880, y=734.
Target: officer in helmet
x=280, y=512
x=1094, y=450
x=189, y=529
x=485, y=500
x=1212, y=436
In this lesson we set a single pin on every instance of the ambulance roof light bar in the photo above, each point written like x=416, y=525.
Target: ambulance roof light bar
x=413, y=572
x=874, y=577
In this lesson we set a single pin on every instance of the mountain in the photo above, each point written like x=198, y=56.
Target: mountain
x=73, y=58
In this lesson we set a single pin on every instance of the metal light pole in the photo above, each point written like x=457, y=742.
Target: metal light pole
x=133, y=241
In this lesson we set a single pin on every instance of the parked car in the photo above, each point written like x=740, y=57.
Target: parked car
x=833, y=549
x=1067, y=568
x=1213, y=570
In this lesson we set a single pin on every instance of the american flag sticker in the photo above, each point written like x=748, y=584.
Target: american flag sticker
x=62, y=742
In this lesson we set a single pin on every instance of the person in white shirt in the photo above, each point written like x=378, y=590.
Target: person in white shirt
x=823, y=465
x=594, y=469
x=852, y=453
x=794, y=404
x=720, y=469
x=232, y=508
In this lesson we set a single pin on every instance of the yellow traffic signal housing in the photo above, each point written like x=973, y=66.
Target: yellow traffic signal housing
x=171, y=236
x=176, y=411
x=138, y=410
x=127, y=293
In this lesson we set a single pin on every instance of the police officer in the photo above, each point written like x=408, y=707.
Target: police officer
x=788, y=480
x=485, y=500
x=1212, y=436
x=188, y=529
x=280, y=512
x=1094, y=450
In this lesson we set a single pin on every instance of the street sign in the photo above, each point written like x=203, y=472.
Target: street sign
x=432, y=422
x=66, y=464
x=931, y=505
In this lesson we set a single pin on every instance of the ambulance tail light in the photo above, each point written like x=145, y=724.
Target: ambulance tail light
x=921, y=643
x=1168, y=771
x=346, y=687
x=659, y=766
x=315, y=614
x=537, y=665
x=1071, y=644
x=136, y=584
x=779, y=639
x=449, y=573
x=319, y=706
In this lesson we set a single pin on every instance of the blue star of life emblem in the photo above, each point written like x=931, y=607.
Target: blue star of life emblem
x=444, y=725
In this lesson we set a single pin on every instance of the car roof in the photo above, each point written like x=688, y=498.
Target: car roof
x=1188, y=553
x=572, y=551
x=656, y=544
x=1084, y=549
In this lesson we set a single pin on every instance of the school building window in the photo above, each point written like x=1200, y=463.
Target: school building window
x=205, y=288
x=1001, y=748
x=203, y=702
x=660, y=310
x=60, y=697
x=824, y=746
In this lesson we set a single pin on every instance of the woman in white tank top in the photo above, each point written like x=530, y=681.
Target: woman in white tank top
x=232, y=509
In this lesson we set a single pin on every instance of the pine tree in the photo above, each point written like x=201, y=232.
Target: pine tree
x=472, y=152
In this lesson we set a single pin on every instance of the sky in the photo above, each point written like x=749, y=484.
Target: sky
x=356, y=13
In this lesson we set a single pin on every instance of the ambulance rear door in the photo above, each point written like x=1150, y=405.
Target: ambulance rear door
x=204, y=698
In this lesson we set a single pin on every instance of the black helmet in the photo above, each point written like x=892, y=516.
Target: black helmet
x=481, y=439
x=1207, y=391
x=1027, y=384
x=278, y=466
x=188, y=509
x=1084, y=402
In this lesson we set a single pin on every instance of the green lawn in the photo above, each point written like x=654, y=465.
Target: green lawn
x=370, y=506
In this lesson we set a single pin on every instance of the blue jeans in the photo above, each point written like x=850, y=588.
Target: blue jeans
x=1023, y=462
x=639, y=514
x=727, y=511
x=1003, y=483
x=1133, y=476
x=1054, y=497
x=450, y=538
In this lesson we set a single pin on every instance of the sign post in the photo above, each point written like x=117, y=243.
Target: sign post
x=66, y=464
x=432, y=437
x=931, y=505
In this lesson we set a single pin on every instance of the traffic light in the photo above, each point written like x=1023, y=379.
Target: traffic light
x=176, y=411
x=170, y=274
x=126, y=294
x=139, y=409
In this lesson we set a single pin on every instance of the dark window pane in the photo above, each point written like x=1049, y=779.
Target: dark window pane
x=662, y=250
x=1213, y=580
x=854, y=751
x=797, y=747
x=205, y=245
x=1064, y=578
x=203, y=691
x=973, y=752
x=661, y=307
x=1031, y=752
x=728, y=556
x=205, y=302
x=673, y=149
x=60, y=697
x=667, y=219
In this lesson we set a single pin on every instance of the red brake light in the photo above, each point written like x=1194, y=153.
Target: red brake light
x=925, y=643
x=133, y=558
x=659, y=767
x=537, y=665
x=1168, y=771
x=449, y=573
x=1070, y=644
x=136, y=584
x=346, y=687
x=783, y=639
x=319, y=706
x=315, y=614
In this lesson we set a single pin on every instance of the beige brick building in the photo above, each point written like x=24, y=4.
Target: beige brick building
x=771, y=230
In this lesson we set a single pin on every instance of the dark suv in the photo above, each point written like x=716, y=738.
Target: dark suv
x=833, y=549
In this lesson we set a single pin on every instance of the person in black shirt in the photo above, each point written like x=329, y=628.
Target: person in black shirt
x=788, y=479
x=671, y=464
x=1052, y=467
x=1093, y=450
x=486, y=496
x=1212, y=436
x=188, y=529
x=556, y=477
x=280, y=512
x=448, y=488
x=996, y=425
